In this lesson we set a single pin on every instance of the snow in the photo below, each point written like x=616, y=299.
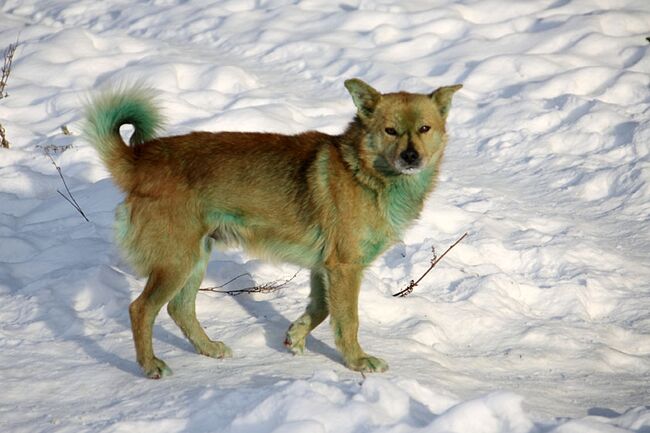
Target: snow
x=539, y=321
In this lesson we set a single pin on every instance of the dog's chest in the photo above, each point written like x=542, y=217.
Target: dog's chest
x=375, y=240
x=403, y=200
x=395, y=210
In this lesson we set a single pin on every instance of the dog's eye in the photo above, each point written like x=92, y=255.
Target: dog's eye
x=424, y=128
x=390, y=131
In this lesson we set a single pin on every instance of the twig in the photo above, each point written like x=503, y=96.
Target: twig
x=434, y=262
x=6, y=68
x=69, y=198
x=3, y=138
x=230, y=281
x=264, y=288
x=363, y=378
x=54, y=149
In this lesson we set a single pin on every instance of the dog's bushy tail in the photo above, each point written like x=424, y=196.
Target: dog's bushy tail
x=107, y=112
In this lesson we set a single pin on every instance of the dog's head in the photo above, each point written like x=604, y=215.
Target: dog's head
x=405, y=132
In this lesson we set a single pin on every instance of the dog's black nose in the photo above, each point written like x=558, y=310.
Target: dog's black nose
x=410, y=156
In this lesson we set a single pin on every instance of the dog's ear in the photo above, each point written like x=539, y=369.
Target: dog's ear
x=364, y=96
x=442, y=98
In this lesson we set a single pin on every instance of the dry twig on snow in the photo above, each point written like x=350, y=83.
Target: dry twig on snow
x=276, y=285
x=263, y=288
x=3, y=138
x=6, y=70
x=69, y=198
x=434, y=262
x=53, y=149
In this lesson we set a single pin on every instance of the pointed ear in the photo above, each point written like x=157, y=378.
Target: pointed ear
x=364, y=96
x=442, y=98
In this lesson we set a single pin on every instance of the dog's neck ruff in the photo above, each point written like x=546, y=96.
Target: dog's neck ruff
x=405, y=197
x=400, y=195
x=351, y=150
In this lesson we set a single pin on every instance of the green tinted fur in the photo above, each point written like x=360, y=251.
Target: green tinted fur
x=231, y=229
x=330, y=203
x=124, y=237
x=115, y=108
x=405, y=197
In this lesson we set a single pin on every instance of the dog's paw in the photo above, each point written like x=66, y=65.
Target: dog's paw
x=156, y=369
x=215, y=349
x=296, y=336
x=368, y=364
x=295, y=344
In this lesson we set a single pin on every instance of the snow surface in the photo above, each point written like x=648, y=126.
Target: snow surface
x=539, y=321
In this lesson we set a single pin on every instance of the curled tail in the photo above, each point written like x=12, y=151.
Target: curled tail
x=104, y=116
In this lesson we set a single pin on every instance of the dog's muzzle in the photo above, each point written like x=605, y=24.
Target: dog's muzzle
x=409, y=161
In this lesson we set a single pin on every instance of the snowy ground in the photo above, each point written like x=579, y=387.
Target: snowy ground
x=539, y=321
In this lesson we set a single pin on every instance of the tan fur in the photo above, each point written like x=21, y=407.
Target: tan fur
x=328, y=203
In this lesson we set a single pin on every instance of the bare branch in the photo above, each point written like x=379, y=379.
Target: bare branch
x=6, y=68
x=52, y=149
x=363, y=378
x=3, y=138
x=245, y=274
x=264, y=288
x=69, y=198
x=434, y=262
x=277, y=285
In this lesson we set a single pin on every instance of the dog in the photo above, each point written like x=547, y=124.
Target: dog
x=330, y=203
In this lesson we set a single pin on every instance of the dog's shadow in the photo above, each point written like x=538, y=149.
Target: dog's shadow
x=72, y=325
x=275, y=324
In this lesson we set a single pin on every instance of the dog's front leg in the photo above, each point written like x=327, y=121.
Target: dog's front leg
x=344, y=282
x=315, y=313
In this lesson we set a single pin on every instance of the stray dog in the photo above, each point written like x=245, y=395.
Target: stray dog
x=331, y=203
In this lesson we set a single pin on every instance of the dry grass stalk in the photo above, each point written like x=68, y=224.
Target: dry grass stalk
x=53, y=149
x=3, y=138
x=6, y=70
x=69, y=198
x=434, y=262
x=263, y=288
x=276, y=285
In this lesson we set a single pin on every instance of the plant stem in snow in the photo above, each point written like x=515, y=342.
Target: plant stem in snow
x=3, y=138
x=69, y=198
x=264, y=288
x=6, y=68
x=434, y=262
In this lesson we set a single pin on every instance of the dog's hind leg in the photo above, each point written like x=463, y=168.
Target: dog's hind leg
x=162, y=285
x=314, y=315
x=182, y=309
